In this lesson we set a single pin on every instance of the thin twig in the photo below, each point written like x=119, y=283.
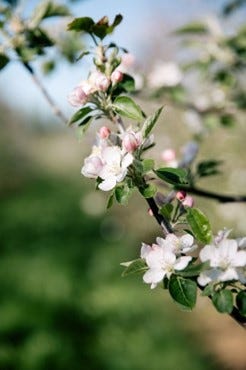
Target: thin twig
x=56, y=110
x=209, y=194
x=162, y=221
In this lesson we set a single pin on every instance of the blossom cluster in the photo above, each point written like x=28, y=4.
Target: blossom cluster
x=166, y=256
x=112, y=156
x=226, y=259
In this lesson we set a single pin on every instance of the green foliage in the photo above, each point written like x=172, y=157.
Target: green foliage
x=241, y=302
x=208, y=168
x=183, y=291
x=126, y=107
x=100, y=29
x=136, y=266
x=148, y=191
x=193, y=270
x=166, y=211
x=123, y=193
x=150, y=122
x=174, y=176
x=192, y=28
x=82, y=115
x=223, y=301
x=199, y=224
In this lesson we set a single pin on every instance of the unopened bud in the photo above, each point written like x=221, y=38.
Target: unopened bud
x=104, y=132
x=181, y=195
x=116, y=76
x=99, y=80
x=188, y=201
x=77, y=97
x=131, y=141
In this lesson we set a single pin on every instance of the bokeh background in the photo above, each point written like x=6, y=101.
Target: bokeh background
x=64, y=304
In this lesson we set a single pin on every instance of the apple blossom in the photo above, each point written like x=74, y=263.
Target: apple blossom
x=77, y=97
x=115, y=164
x=164, y=74
x=99, y=80
x=177, y=245
x=180, y=195
x=225, y=261
x=161, y=262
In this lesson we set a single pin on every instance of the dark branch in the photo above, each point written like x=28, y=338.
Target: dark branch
x=209, y=194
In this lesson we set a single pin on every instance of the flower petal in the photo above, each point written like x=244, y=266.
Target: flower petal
x=153, y=276
x=107, y=184
x=182, y=262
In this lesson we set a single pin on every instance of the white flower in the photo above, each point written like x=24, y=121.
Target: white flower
x=92, y=167
x=161, y=262
x=115, y=165
x=184, y=244
x=224, y=260
x=99, y=81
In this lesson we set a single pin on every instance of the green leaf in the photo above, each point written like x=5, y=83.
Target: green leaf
x=199, y=225
x=136, y=266
x=241, y=302
x=166, y=211
x=192, y=28
x=223, y=301
x=174, y=176
x=208, y=168
x=81, y=24
x=4, y=59
x=81, y=55
x=127, y=83
x=149, y=191
x=208, y=290
x=123, y=193
x=125, y=106
x=81, y=115
x=148, y=165
x=183, y=291
x=110, y=201
x=150, y=122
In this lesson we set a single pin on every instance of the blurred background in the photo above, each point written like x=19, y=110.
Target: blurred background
x=64, y=304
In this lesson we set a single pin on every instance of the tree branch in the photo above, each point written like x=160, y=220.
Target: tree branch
x=209, y=194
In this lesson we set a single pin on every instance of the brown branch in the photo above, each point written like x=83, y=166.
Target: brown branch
x=162, y=221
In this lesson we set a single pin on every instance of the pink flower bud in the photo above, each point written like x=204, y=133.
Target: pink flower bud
x=131, y=141
x=188, y=201
x=181, y=195
x=116, y=76
x=150, y=212
x=77, y=97
x=104, y=132
x=99, y=80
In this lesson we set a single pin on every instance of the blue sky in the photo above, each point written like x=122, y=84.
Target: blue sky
x=133, y=33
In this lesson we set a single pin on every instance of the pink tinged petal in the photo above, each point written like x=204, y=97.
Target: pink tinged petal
x=145, y=249
x=207, y=253
x=239, y=260
x=227, y=248
x=182, y=262
x=160, y=241
x=153, y=276
x=169, y=258
x=107, y=184
x=155, y=258
x=92, y=167
x=112, y=155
